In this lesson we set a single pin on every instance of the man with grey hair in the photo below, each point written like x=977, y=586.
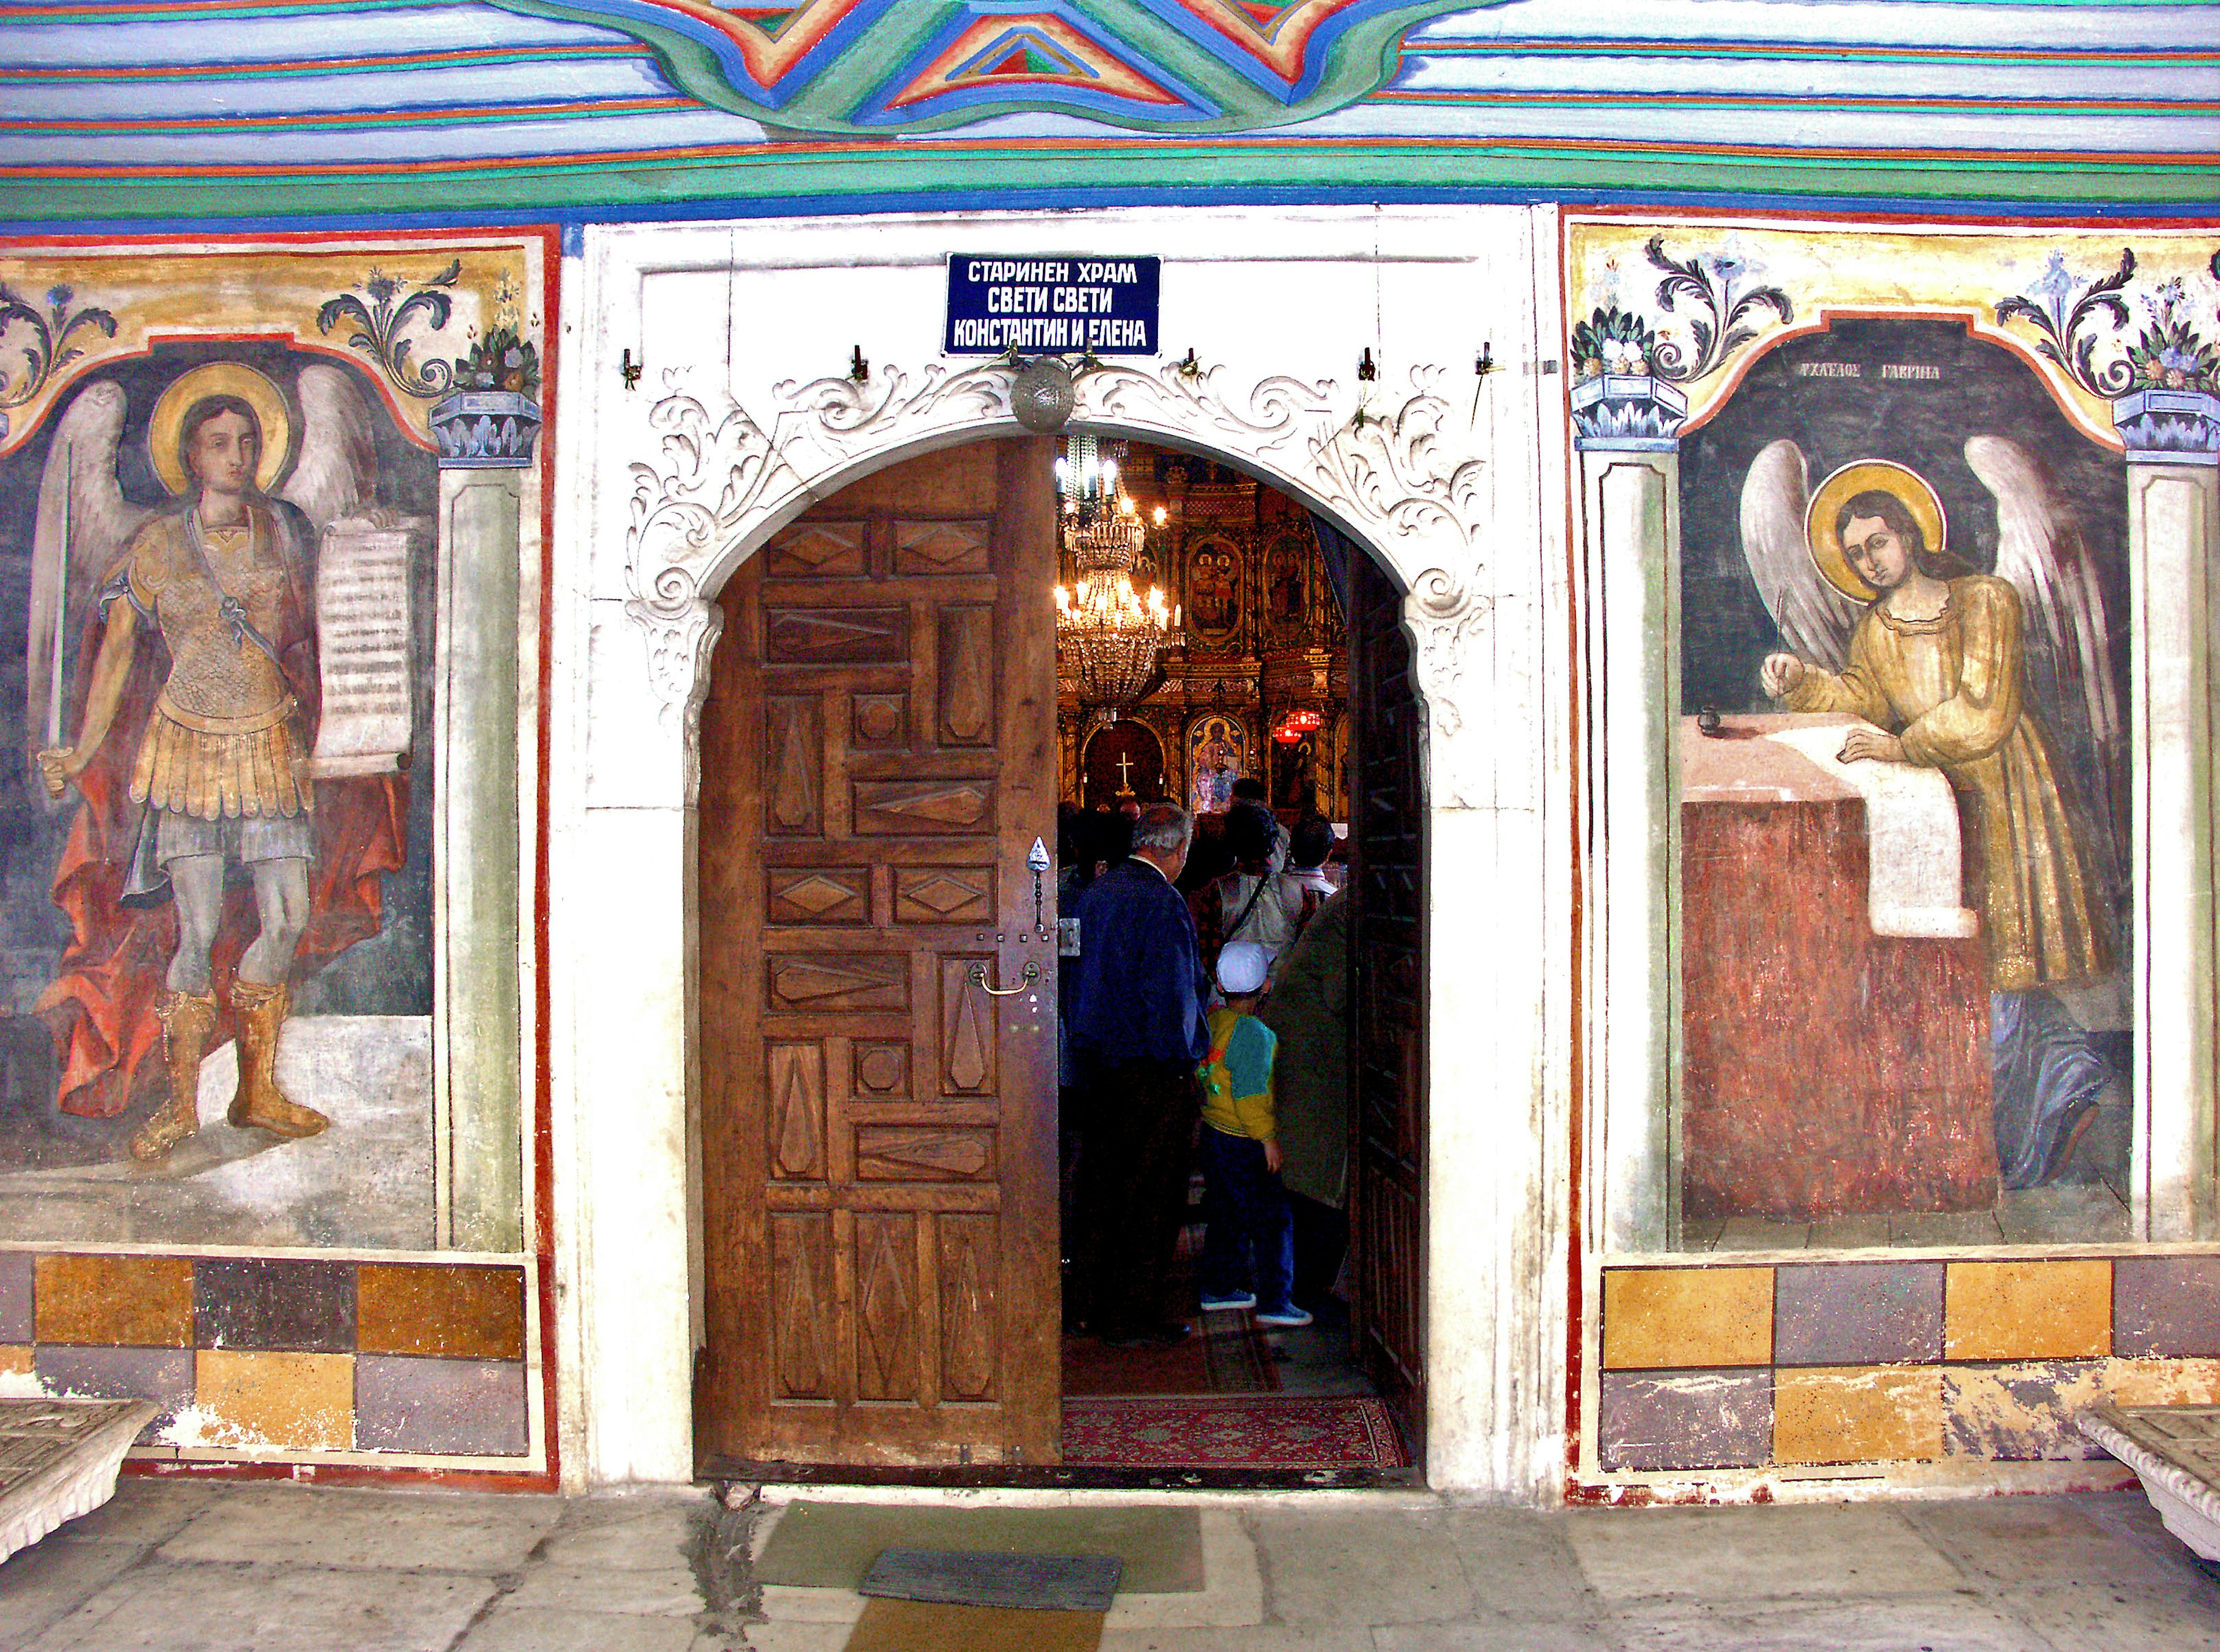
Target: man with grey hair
x=1137, y=1028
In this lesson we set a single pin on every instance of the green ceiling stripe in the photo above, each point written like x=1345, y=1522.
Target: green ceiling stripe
x=635, y=183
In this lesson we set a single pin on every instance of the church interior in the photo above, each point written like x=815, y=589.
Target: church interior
x=1247, y=685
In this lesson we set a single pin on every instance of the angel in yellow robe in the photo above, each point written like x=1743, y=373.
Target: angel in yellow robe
x=1940, y=662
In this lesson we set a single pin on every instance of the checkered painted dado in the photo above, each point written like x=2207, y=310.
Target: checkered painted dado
x=270, y=1355
x=1848, y=1363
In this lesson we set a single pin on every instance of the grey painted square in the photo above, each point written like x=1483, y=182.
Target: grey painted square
x=164, y=1376
x=15, y=1296
x=1707, y=1419
x=1858, y=1314
x=462, y=1407
x=249, y=1302
x=2166, y=1307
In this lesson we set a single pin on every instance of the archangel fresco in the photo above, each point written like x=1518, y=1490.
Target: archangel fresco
x=217, y=911
x=1904, y=767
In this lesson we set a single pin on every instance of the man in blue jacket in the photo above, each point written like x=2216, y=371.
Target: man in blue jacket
x=1137, y=1028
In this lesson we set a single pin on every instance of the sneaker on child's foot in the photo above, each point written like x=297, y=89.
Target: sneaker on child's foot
x=1290, y=1318
x=1233, y=1304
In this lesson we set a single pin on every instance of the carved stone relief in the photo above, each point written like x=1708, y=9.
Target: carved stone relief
x=1408, y=475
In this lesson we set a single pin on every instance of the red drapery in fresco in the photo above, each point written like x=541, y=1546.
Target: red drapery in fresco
x=101, y=1006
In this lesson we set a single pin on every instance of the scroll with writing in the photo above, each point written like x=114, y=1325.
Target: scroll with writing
x=363, y=643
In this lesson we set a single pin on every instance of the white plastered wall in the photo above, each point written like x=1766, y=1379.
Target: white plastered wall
x=743, y=414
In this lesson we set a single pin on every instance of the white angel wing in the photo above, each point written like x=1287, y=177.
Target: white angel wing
x=2069, y=647
x=1814, y=618
x=336, y=474
x=84, y=524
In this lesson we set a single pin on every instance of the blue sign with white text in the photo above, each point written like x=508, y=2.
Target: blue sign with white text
x=1050, y=304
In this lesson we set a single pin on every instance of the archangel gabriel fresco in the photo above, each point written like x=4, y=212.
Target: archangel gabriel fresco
x=218, y=917
x=1903, y=666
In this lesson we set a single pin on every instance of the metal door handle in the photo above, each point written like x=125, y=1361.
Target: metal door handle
x=1026, y=977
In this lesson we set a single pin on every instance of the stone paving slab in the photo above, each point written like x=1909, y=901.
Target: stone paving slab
x=167, y=1568
x=301, y=1525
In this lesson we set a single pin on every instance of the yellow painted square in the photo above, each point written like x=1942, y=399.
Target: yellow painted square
x=295, y=1402
x=114, y=1301
x=14, y=1361
x=2028, y=1310
x=1663, y=1318
x=1862, y=1413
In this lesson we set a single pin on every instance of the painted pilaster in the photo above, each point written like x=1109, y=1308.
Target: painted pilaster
x=477, y=1031
x=2174, y=547
x=1631, y=513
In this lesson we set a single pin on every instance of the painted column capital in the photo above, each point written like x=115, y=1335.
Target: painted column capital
x=2168, y=426
x=1628, y=413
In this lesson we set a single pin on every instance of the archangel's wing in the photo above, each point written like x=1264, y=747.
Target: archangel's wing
x=1814, y=618
x=83, y=525
x=2069, y=647
x=336, y=474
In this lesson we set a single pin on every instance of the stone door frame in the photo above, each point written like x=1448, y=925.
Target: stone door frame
x=1453, y=479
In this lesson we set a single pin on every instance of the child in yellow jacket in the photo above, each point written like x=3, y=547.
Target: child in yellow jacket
x=1247, y=1223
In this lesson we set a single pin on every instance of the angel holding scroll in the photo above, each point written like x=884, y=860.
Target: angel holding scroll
x=1940, y=660
x=195, y=718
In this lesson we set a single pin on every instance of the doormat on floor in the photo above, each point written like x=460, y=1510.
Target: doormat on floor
x=916, y=1626
x=826, y=1545
x=1330, y=1432
x=1227, y=1356
x=956, y=1577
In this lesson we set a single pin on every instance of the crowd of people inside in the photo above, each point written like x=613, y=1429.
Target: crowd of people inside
x=1203, y=1012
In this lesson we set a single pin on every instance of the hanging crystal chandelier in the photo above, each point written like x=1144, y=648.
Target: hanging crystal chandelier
x=1106, y=631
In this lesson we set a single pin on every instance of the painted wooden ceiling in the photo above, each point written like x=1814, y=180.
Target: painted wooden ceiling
x=247, y=109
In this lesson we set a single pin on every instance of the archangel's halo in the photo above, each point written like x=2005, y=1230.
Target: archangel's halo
x=221, y=378
x=1867, y=476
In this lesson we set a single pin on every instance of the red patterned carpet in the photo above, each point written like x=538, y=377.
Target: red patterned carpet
x=1339, y=1431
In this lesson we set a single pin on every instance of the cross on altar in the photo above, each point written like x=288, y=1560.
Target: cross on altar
x=1125, y=775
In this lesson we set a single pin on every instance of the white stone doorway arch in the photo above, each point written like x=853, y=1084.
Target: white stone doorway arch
x=1452, y=481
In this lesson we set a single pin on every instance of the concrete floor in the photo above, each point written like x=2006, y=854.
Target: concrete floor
x=174, y=1566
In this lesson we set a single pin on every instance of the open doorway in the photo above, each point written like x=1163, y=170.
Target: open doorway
x=1247, y=722
x=882, y=746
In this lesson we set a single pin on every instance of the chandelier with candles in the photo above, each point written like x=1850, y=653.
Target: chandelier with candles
x=1108, y=632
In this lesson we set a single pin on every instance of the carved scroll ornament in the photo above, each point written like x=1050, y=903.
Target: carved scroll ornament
x=1408, y=476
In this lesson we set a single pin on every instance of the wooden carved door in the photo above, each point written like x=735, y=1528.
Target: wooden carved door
x=879, y=1132
x=1388, y=951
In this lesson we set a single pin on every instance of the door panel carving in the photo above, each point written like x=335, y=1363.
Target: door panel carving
x=923, y=1153
x=967, y=676
x=795, y=1082
x=828, y=895
x=817, y=550
x=886, y=1316
x=968, y=1271
x=829, y=636
x=839, y=981
x=793, y=763
x=904, y=808
x=942, y=547
x=881, y=720
x=944, y=894
x=801, y=1292
x=879, y=1132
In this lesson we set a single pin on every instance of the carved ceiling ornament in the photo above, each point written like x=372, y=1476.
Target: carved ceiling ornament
x=1407, y=476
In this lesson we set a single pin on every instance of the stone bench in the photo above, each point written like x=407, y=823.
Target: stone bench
x=59, y=1459
x=2175, y=1452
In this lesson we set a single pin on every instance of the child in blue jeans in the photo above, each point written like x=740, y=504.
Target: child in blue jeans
x=1243, y=1207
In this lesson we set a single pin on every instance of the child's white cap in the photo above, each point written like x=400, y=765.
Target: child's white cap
x=1242, y=967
